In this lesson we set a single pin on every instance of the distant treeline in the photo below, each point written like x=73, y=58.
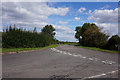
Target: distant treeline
x=90, y=35
x=13, y=37
x=69, y=43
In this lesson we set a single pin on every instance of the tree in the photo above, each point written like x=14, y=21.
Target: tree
x=113, y=43
x=86, y=26
x=35, y=29
x=94, y=37
x=78, y=33
x=49, y=30
x=80, y=30
x=91, y=35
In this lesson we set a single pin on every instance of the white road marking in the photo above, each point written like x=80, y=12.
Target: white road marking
x=75, y=55
x=95, y=59
x=103, y=74
x=84, y=57
x=68, y=53
x=91, y=59
x=97, y=75
x=64, y=52
x=103, y=61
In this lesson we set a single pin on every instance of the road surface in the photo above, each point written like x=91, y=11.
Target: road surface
x=61, y=62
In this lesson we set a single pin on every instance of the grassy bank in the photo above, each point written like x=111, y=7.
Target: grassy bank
x=98, y=49
x=5, y=50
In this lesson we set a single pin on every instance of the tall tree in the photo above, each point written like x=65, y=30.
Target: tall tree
x=49, y=30
x=91, y=35
x=80, y=30
x=86, y=26
x=35, y=29
x=94, y=37
x=78, y=33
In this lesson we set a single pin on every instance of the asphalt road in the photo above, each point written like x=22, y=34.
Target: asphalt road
x=61, y=62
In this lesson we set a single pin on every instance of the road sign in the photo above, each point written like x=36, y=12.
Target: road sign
x=55, y=39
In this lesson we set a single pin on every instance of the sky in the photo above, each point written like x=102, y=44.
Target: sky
x=64, y=16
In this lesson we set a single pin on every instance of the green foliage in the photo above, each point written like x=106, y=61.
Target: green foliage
x=113, y=43
x=99, y=49
x=94, y=37
x=78, y=32
x=91, y=35
x=14, y=37
x=49, y=30
x=68, y=43
x=86, y=26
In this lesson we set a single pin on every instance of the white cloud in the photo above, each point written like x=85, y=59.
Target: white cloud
x=104, y=16
x=89, y=12
x=63, y=29
x=62, y=22
x=66, y=37
x=29, y=14
x=64, y=33
x=81, y=9
x=76, y=18
x=107, y=19
x=104, y=7
x=109, y=28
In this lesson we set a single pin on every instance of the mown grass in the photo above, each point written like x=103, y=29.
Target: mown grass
x=5, y=50
x=98, y=49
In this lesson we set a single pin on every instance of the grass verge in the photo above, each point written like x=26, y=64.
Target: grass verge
x=6, y=50
x=98, y=49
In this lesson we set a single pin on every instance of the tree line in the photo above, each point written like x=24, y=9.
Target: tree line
x=13, y=37
x=91, y=36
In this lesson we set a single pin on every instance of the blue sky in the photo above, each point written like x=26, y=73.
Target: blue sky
x=64, y=16
x=73, y=11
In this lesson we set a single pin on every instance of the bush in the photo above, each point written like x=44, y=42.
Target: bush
x=113, y=43
x=13, y=37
